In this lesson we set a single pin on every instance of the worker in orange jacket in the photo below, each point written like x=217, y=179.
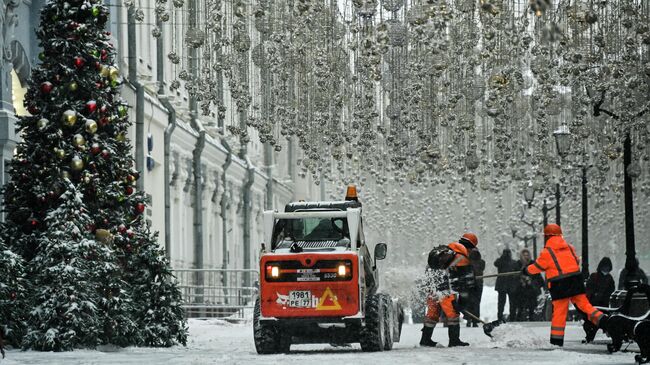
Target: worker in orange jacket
x=559, y=261
x=453, y=259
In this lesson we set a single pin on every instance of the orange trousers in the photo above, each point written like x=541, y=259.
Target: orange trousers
x=435, y=307
x=561, y=310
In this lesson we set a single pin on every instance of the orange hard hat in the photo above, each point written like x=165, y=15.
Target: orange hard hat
x=458, y=248
x=471, y=237
x=552, y=230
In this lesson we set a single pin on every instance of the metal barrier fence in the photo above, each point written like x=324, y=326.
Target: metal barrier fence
x=222, y=293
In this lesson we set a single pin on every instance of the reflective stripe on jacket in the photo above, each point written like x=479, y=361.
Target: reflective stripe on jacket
x=558, y=260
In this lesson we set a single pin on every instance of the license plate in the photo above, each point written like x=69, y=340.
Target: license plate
x=300, y=299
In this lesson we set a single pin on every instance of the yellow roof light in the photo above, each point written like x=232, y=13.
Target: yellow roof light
x=351, y=194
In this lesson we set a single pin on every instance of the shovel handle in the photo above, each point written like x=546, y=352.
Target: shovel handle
x=473, y=316
x=512, y=273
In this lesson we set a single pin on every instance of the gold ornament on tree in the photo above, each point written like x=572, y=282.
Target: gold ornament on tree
x=104, y=71
x=69, y=118
x=78, y=140
x=91, y=126
x=59, y=153
x=42, y=123
x=77, y=163
x=114, y=74
x=104, y=236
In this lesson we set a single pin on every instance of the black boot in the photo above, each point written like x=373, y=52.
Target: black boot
x=454, y=336
x=602, y=324
x=557, y=341
x=427, y=332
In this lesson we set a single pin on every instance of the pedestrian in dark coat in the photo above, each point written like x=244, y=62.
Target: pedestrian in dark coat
x=506, y=285
x=527, y=290
x=629, y=277
x=599, y=287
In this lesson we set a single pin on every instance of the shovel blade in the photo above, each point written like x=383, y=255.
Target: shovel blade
x=489, y=327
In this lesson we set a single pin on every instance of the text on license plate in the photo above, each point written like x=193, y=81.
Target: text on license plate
x=300, y=299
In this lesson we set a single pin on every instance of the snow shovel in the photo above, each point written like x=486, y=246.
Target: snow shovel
x=512, y=273
x=487, y=327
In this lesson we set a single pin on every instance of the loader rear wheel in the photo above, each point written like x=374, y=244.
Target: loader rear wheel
x=267, y=337
x=389, y=321
x=373, y=335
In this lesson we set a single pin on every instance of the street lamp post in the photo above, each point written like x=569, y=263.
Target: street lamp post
x=529, y=196
x=557, y=205
x=563, y=144
x=630, y=249
x=585, y=225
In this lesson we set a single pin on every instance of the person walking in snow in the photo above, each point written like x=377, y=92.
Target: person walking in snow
x=505, y=285
x=445, y=263
x=527, y=290
x=559, y=262
x=599, y=287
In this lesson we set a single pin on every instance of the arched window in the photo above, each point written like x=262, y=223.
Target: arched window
x=18, y=90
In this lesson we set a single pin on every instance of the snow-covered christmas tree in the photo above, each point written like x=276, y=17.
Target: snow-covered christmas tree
x=76, y=133
x=12, y=296
x=66, y=276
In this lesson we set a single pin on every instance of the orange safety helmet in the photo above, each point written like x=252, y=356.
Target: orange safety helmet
x=552, y=230
x=471, y=237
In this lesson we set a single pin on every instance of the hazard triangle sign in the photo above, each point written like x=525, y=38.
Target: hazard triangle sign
x=328, y=301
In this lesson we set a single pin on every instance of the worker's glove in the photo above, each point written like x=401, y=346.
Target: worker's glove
x=524, y=271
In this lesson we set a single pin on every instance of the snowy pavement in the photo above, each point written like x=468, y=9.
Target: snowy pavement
x=219, y=342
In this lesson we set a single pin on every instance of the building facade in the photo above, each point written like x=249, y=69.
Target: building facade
x=207, y=191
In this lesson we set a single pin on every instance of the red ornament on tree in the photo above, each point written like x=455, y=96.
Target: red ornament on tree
x=79, y=62
x=95, y=149
x=106, y=154
x=33, y=110
x=91, y=106
x=33, y=222
x=46, y=87
x=104, y=54
x=128, y=190
x=130, y=233
x=13, y=295
x=139, y=208
x=103, y=109
x=121, y=228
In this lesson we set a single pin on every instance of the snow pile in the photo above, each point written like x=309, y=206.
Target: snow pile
x=516, y=336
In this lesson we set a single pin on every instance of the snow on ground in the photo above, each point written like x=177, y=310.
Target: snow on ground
x=219, y=342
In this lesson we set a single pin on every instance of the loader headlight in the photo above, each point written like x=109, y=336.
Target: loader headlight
x=342, y=270
x=273, y=271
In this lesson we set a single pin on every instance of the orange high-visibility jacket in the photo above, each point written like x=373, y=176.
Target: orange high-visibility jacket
x=558, y=259
x=462, y=257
